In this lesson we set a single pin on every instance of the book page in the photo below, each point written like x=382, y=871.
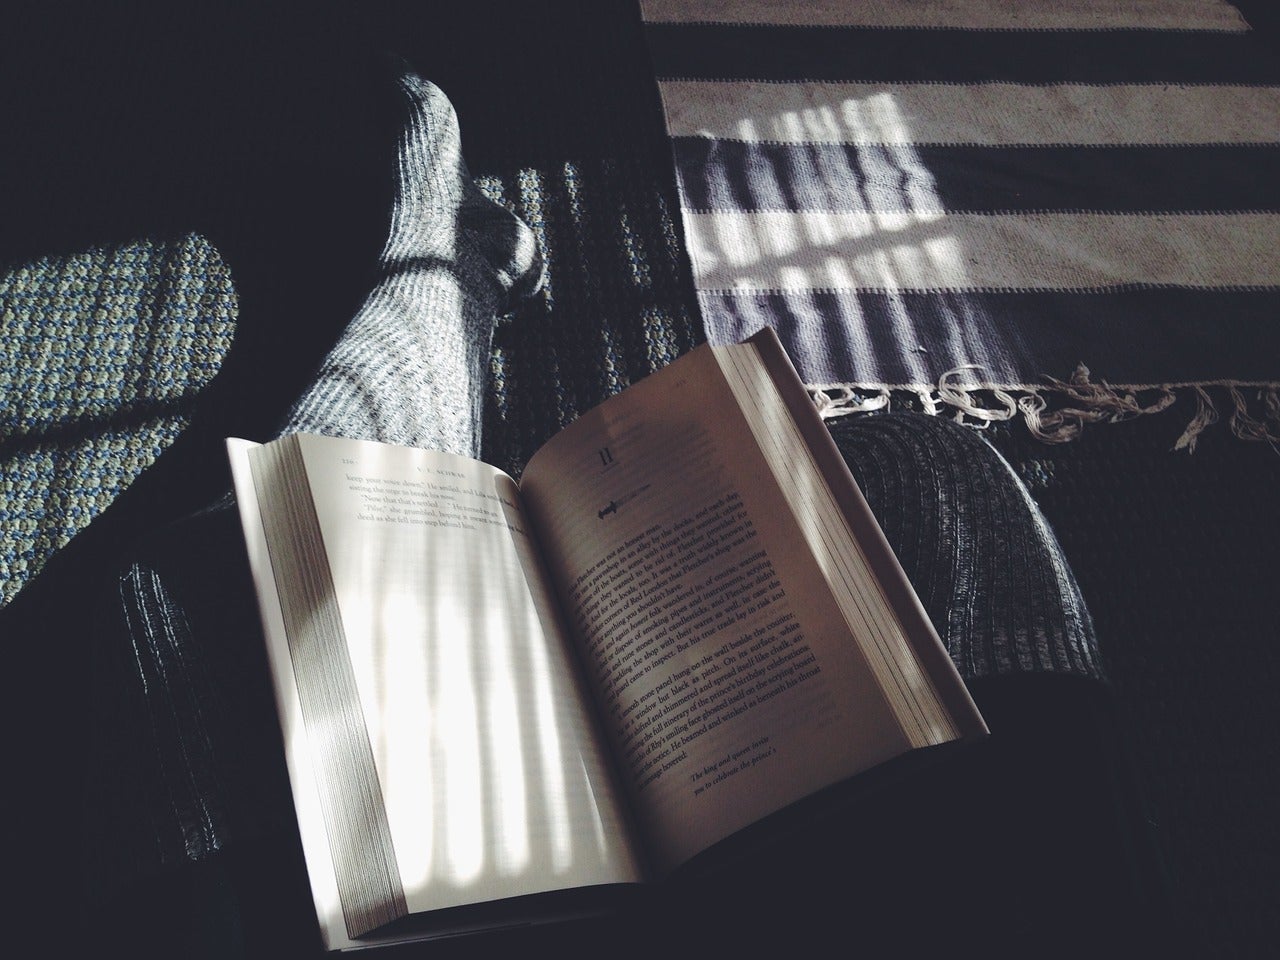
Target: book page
x=725, y=667
x=492, y=774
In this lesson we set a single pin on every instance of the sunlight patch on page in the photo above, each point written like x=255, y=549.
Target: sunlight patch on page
x=550, y=753
x=457, y=742
x=504, y=744
x=403, y=725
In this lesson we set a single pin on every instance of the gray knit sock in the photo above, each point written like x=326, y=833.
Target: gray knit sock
x=411, y=366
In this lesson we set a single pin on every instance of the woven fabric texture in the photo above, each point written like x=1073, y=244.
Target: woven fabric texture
x=102, y=355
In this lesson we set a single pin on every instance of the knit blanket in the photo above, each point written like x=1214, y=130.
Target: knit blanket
x=102, y=356
x=1063, y=211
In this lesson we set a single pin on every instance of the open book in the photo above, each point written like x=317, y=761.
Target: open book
x=683, y=619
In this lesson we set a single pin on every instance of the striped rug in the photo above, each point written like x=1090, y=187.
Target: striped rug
x=1068, y=211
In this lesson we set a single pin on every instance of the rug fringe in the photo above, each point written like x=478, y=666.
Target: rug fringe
x=1248, y=427
x=1206, y=415
x=1058, y=411
x=840, y=400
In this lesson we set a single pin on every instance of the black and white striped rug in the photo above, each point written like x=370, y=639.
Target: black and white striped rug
x=965, y=200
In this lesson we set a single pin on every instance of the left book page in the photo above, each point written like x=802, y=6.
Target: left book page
x=440, y=745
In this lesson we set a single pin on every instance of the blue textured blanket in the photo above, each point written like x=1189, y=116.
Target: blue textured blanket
x=966, y=201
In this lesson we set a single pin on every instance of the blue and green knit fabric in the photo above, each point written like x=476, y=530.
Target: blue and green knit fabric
x=102, y=354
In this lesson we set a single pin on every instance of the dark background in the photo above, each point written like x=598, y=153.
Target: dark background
x=250, y=123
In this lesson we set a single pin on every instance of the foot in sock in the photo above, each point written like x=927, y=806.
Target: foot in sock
x=411, y=366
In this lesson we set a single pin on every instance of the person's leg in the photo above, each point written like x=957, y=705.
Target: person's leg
x=183, y=765
x=1037, y=837
x=1031, y=842
x=975, y=546
x=412, y=366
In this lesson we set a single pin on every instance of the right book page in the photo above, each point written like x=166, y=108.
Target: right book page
x=748, y=634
